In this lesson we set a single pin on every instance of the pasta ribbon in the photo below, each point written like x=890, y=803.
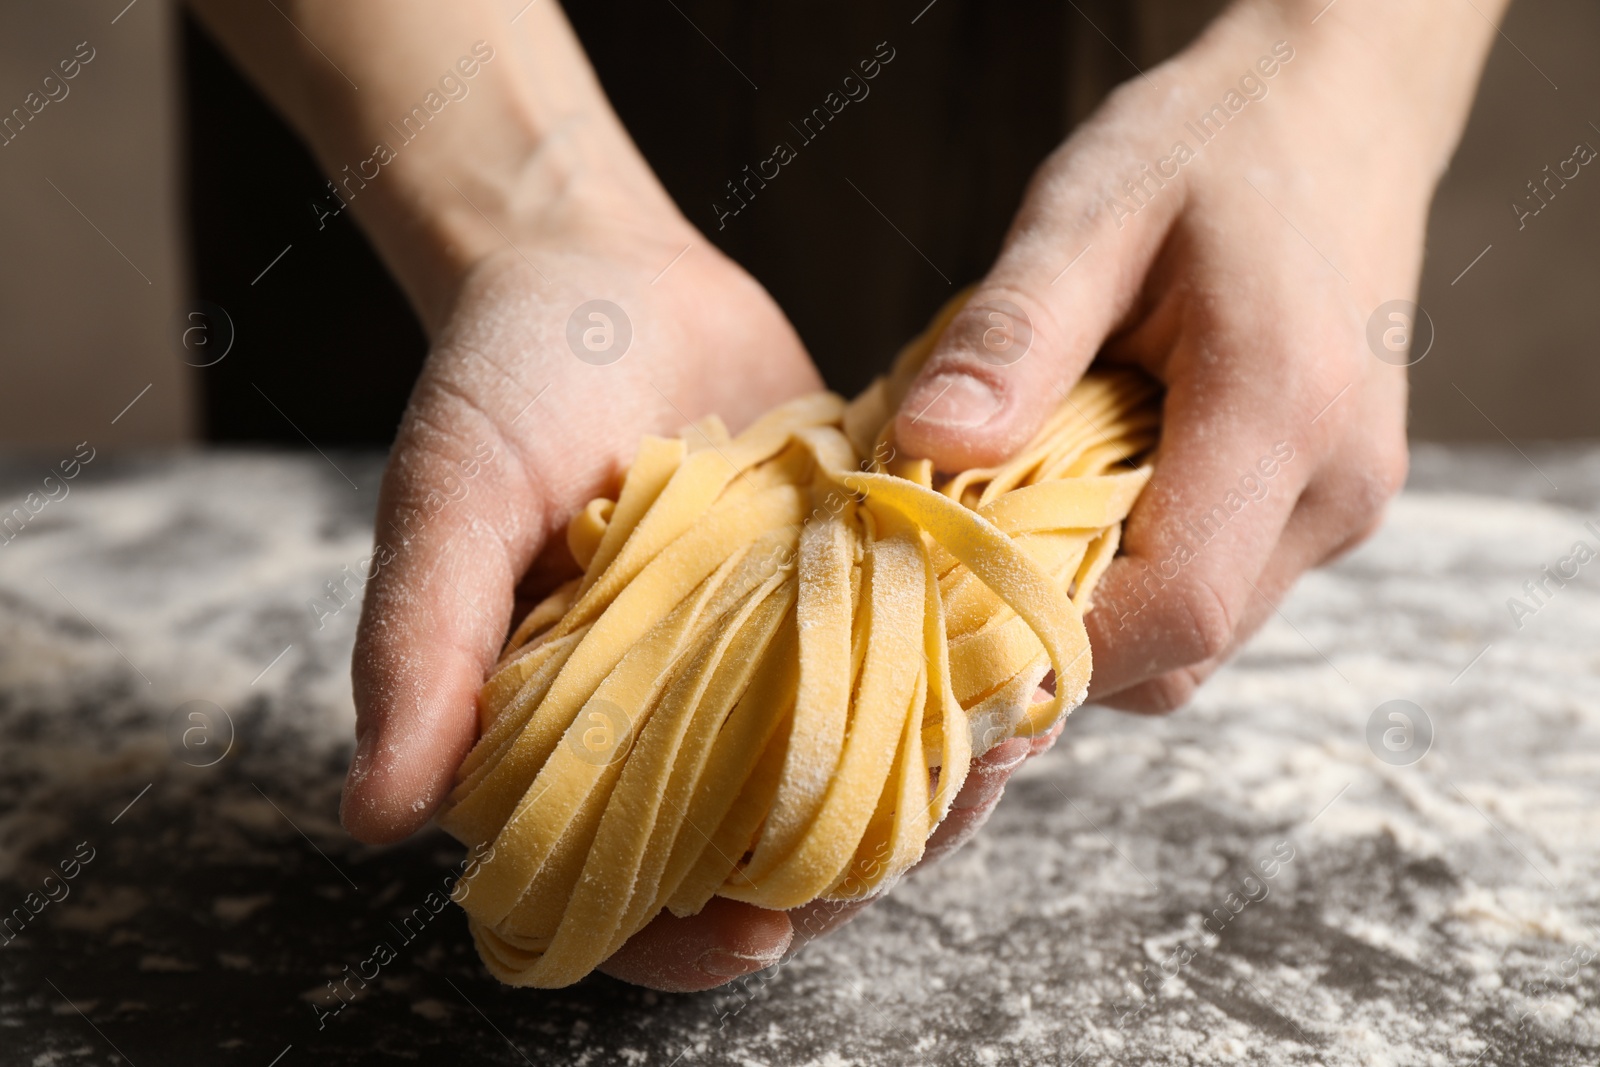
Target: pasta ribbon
x=784, y=651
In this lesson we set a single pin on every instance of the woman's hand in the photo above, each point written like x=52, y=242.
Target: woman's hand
x=512, y=429
x=727, y=938
x=517, y=204
x=1238, y=261
x=514, y=425
x=530, y=201
x=521, y=205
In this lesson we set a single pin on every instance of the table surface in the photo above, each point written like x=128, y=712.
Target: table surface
x=1117, y=909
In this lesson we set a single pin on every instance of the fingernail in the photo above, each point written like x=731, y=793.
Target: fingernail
x=956, y=400
x=360, y=765
x=719, y=963
x=1007, y=754
x=976, y=799
x=361, y=762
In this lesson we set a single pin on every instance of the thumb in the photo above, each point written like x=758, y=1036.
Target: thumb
x=454, y=531
x=1071, y=268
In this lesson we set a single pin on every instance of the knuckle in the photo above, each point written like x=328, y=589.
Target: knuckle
x=1211, y=621
x=1392, y=466
x=996, y=327
x=446, y=419
x=1373, y=480
x=1360, y=537
x=1159, y=696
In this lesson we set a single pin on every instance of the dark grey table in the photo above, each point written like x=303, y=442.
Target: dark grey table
x=1118, y=909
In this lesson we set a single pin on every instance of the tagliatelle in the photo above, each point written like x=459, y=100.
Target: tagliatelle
x=784, y=652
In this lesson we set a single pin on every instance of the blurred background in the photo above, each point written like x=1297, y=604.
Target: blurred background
x=160, y=186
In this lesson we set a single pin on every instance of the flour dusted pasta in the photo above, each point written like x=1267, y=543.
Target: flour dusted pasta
x=783, y=653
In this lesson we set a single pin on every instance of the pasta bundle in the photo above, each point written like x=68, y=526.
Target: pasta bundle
x=783, y=653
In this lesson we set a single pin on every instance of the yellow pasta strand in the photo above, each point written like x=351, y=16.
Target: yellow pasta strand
x=784, y=651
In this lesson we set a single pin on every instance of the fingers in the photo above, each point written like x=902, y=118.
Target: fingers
x=1069, y=272
x=971, y=808
x=728, y=939
x=985, y=785
x=1302, y=547
x=980, y=793
x=725, y=940
x=680, y=955
x=811, y=921
x=1341, y=507
x=1234, y=458
x=435, y=613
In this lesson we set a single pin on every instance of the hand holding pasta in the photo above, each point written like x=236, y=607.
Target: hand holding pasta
x=536, y=200
x=784, y=651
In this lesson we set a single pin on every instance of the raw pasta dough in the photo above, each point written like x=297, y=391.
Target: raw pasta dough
x=784, y=651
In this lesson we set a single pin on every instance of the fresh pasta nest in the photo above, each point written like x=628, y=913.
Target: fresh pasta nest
x=783, y=653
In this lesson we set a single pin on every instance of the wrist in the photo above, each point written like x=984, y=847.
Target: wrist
x=541, y=191
x=468, y=137
x=1398, y=79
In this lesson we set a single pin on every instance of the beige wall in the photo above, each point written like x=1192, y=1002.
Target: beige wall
x=82, y=332
x=1518, y=333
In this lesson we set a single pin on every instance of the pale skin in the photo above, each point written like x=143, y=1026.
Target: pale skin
x=1244, y=285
